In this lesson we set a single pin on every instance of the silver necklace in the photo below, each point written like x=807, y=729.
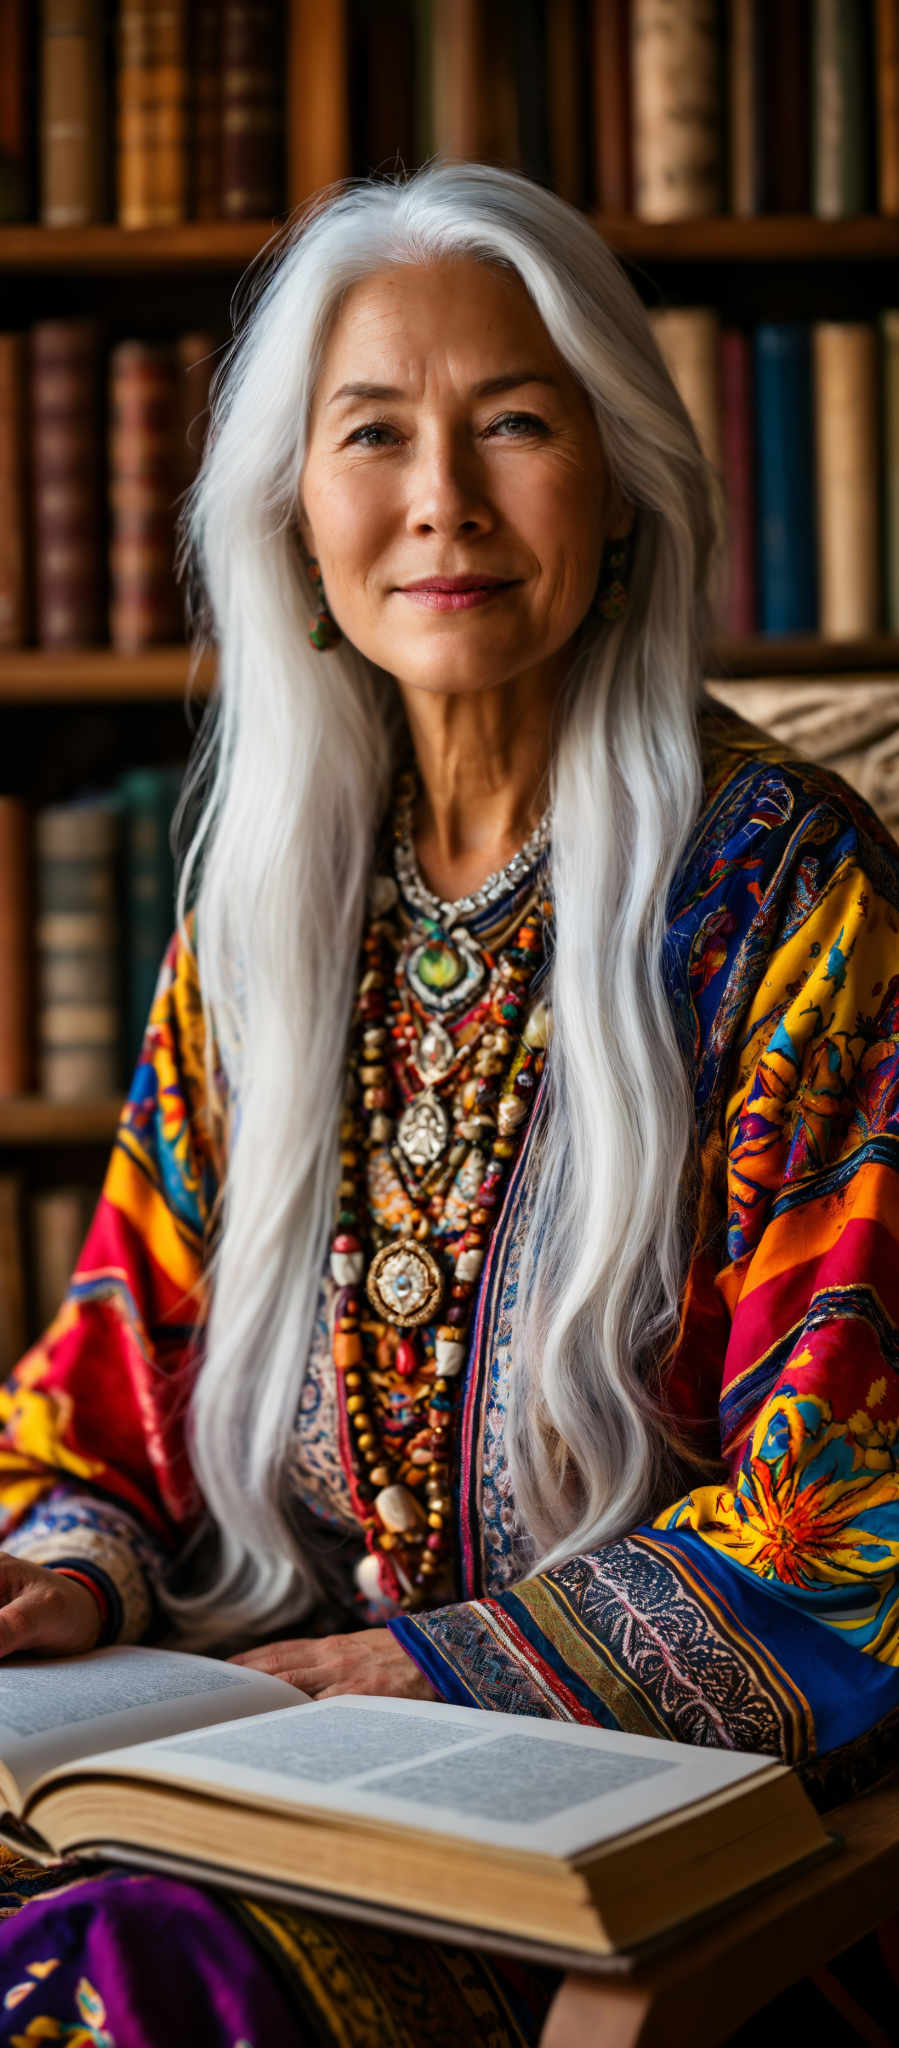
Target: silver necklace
x=415, y=888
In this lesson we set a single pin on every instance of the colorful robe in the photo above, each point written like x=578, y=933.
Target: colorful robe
x=761, y=1608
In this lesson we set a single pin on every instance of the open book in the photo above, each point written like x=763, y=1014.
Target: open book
x=552, y=1840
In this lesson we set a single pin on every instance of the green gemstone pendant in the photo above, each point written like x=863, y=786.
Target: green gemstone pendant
x=444, y=970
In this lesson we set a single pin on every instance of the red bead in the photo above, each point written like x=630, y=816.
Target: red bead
x=345, y=1243
x=406, y=1360
x=435, y=1542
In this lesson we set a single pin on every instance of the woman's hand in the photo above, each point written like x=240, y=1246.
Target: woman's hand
x=42, y=1613
x=371, y=1661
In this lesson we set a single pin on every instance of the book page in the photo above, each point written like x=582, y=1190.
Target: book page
x=54, y=1709
x=504, y=1779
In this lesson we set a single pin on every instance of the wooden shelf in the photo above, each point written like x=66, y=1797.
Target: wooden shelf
x=221, y=245
x=105, y=250
x=31, y=1120
x=34, y=675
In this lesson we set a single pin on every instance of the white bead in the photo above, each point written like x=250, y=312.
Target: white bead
x=469, y=1263
x=368, y=1578
x=398, y=1509
x=347, y=1268
x=510, y=1114
x=537, y=1028
x=450, y=1357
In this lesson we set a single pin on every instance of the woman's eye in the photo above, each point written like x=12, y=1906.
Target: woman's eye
x=526, y=421
x=373, y=427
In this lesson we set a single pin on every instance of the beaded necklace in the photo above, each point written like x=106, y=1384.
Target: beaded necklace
x=453, y=1110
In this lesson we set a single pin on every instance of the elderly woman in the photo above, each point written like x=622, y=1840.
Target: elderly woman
x=493, y=1292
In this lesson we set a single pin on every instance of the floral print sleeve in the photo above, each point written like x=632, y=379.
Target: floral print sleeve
x=94, y=1474
x=760, y=1610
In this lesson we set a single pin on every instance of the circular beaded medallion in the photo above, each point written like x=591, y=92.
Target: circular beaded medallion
x=404, y=1283
x=444, y=970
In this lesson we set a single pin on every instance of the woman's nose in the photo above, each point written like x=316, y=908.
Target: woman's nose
x=447, y=488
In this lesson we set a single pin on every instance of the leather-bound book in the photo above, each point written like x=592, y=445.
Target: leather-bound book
x=846, y=439
x=18, y=28
x=610, y=70
x=499, y=86
x=889, y=340
x=569, y=100
x=144, y=601
x=784, y=105
x=196, y=359
x=59, y=1221
x=13, y=1299
x=252, y=109
x=13, y=493
x=205, y=103
x=460, y=114
x=786, y=554
x=843, y=109
x=66, y=483
x=745, y=107
x=152, y=86
x=887, y=88
x=78, y=991
x=147, y=798
x=677, y=111
x=738, y=464
x=381, y=85
x=72, y=113
x=15, y=947
x=689, y=338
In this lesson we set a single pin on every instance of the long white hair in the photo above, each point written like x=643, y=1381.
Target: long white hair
x=289, y=779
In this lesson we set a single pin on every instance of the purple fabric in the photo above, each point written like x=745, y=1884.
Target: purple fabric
x=121, y=1961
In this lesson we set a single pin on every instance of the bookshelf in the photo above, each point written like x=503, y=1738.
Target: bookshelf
x=65, y=715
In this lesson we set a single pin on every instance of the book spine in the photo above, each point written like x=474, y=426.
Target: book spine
x=195, y=357
x=533, y=111
x=144, y=602
x=147, y=798
x=136, y=115
x=72, y=109
x=13, y=494
x=169, y=70
x=425, y=144
x=497, y=108
x=15, y=947
x=76, y=946
x=689, y=338
x=743, y=89
x=785, y=37
x=457, y=77
x=252, y=65
x=611, y=71
x=205, y=87
x=66, y=500
x=382, y=84
x=887, y=76
x=16, y=168
x=565, y=70
x=889, y=331
x=846, y=424
x=13, y=1309
x=785, y=479
x=676, y=109
x=739, y=607
x=59, y=1220
x=842, y=109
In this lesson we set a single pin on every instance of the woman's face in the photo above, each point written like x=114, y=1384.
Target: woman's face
x=434, y=476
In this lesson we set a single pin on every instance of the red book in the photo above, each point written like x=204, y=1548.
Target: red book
x=67, y=511
x=611, y=39
x=739, y=614
x=144, y=601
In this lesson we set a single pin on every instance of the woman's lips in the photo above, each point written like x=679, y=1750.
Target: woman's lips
x=455, y=600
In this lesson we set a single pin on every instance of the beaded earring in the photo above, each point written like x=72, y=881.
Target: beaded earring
x=324, y=631
x=612, y=590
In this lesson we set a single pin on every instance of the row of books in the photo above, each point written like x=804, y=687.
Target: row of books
x=86, y=913
x=150, y=115
x=145, y=113
x=801, y=423
x=42, y=1231
x=98, y=442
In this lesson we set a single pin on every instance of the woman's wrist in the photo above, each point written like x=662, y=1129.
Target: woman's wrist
x=84, y=1577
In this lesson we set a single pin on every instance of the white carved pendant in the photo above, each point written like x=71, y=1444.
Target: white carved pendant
x=435, y=1053
x=404, y=1283
x=423, y=1130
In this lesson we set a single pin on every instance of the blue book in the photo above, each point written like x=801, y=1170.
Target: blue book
x=786, y=493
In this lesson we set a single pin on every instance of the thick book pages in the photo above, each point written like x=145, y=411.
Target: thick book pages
x=535, y=1830
x=846, y=437
x=785, y=479
x=677, y=138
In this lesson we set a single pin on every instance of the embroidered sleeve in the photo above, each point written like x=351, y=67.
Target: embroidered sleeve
x=761, y=1612
x=94, y=1471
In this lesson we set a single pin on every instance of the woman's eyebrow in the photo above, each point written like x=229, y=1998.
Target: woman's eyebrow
x=507, y=381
